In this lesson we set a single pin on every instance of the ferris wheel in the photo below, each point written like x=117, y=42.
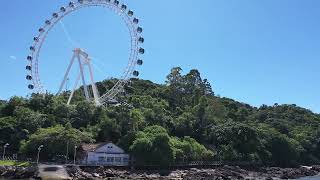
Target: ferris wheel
x=82, y=58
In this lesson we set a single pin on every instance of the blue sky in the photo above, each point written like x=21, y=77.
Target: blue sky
x=258, y=52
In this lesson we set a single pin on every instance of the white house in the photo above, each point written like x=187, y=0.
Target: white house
x=104, y=154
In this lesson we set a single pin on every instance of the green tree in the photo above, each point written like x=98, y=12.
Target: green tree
x=285, y=151
x=108, y=130
x=155, y=111
x=11, y=133
x=54, y=140
x=188, y=149
x=184, y=125
x=152, y=146
x=13, y=103
x=30, y=120
x=84, y=114
x=184, y=106
x=137, y=119
x=235, y=138
x=41, y=102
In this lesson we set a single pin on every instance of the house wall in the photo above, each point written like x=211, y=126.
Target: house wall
x=107, y=159
x=109, y=154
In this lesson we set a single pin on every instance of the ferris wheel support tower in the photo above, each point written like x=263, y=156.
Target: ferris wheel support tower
x=83, y=61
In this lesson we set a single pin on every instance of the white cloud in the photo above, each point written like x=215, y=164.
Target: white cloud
x=13, y=57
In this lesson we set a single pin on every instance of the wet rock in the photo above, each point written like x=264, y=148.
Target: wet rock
x=9, y=171
x=316, y=168
x=2, y=169
x=219, y=173
x=293, y=173
x=95, y=175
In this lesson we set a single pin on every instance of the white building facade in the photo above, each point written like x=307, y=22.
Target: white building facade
x=108, y=154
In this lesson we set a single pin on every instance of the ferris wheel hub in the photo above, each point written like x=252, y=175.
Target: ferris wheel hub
x=86, y=59
x=81, y=52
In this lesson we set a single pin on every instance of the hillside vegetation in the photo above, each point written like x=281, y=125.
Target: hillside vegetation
x=179, y=121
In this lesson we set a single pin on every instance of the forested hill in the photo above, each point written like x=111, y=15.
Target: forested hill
x=181, y=120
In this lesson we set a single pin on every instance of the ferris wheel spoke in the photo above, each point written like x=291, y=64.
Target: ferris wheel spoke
x=68, y=36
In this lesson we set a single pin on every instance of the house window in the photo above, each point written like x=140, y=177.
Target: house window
x=125, y=159
x=110, y=159
x=101, y=159
x=117, y=159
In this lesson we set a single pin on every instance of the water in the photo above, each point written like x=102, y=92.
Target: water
x=310, y=178
x=1, y=178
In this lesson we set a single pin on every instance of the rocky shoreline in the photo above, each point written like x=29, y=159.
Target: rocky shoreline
x=15, y=172
x=219, y=173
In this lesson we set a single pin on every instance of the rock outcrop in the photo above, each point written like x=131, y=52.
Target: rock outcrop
x=219, y=173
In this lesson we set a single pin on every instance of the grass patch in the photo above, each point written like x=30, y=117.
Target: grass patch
x=14, y=163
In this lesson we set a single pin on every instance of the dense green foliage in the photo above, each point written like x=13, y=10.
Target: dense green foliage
x=153, y=145
x=179, y=121
x=54, y=140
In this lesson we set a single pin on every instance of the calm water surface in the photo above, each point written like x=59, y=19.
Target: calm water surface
x=13, y=179
x=310, y=178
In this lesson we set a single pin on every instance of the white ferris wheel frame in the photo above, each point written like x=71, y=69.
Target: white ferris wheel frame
x=135, y=37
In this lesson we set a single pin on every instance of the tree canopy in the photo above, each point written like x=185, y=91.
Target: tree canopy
x=182, y=119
